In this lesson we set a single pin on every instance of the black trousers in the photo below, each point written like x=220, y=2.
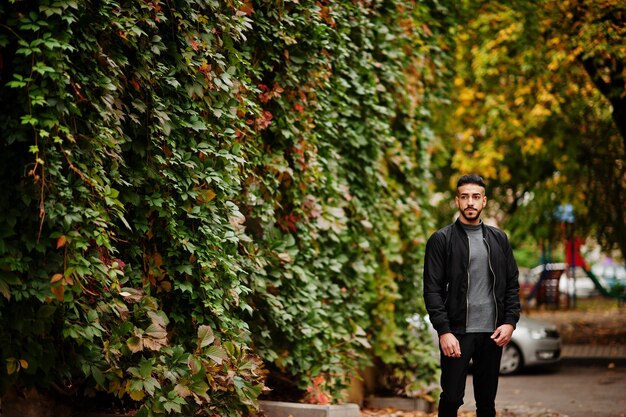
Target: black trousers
x=486, y=356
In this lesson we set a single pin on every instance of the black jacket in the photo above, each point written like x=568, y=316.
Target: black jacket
x=446, y=278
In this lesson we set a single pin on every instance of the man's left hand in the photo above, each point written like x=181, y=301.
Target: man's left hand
x=503, y=334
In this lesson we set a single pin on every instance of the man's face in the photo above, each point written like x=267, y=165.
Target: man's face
x=470, y=199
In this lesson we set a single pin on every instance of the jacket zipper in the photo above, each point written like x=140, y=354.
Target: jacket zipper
x=469, y=257
x=493, y=284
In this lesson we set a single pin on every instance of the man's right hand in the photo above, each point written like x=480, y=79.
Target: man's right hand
x=450, y=345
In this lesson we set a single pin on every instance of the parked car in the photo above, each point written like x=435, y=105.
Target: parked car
x=534, y=343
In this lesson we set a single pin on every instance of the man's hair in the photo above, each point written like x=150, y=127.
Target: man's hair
x=470, y=179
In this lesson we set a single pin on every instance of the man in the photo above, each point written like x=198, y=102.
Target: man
x=471, y=292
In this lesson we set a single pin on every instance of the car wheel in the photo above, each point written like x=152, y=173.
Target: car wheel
x=511, y=361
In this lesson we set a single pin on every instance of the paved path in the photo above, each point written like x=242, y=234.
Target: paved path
x=573, y=391
x=590, y=382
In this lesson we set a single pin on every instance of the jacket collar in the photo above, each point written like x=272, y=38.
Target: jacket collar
x=460, y=228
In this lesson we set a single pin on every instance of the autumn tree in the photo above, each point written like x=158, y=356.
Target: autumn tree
x=537, y=108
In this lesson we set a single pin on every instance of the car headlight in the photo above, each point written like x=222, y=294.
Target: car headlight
x=544, y=333
x=539, y=334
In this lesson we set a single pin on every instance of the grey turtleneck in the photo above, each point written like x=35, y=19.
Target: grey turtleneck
x=481, y=314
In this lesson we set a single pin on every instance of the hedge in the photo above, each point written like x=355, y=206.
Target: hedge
x=207, y=200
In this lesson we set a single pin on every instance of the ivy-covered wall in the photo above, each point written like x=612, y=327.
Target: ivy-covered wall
x=204, y=199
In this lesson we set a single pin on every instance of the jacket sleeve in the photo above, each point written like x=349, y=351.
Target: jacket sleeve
x=435, y=282
x=512, y=305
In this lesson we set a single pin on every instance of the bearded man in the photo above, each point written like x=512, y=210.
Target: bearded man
x=471, y=291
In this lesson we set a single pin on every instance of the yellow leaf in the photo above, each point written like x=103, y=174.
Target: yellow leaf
x=24, y=363
x=117, y=389
x=466, y=95
x=539, y=111
x=532, y=145
x=12, y=365
x=137, y=395
x=209, y=195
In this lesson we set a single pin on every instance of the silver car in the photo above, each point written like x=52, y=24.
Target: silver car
x=534, y=342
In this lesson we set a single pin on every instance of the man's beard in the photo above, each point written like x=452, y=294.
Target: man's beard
x=471, y=218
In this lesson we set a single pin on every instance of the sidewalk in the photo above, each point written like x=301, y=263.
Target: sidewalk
x=592, y=354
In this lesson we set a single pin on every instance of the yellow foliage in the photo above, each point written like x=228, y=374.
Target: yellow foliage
x=466, y=137
x=485, y=159
x=16, y=365
x=539, y=111
x=137, y=395
x=574, y=54
x=508, y=33
x=466, y=95
x=547, y=97
x=532, y=145
x=116, y=388
x=524, y=89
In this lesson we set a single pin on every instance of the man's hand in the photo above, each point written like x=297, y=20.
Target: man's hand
x=450, y=345
x=503, y=334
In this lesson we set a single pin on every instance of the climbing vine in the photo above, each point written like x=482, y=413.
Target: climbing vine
x=204, y=199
